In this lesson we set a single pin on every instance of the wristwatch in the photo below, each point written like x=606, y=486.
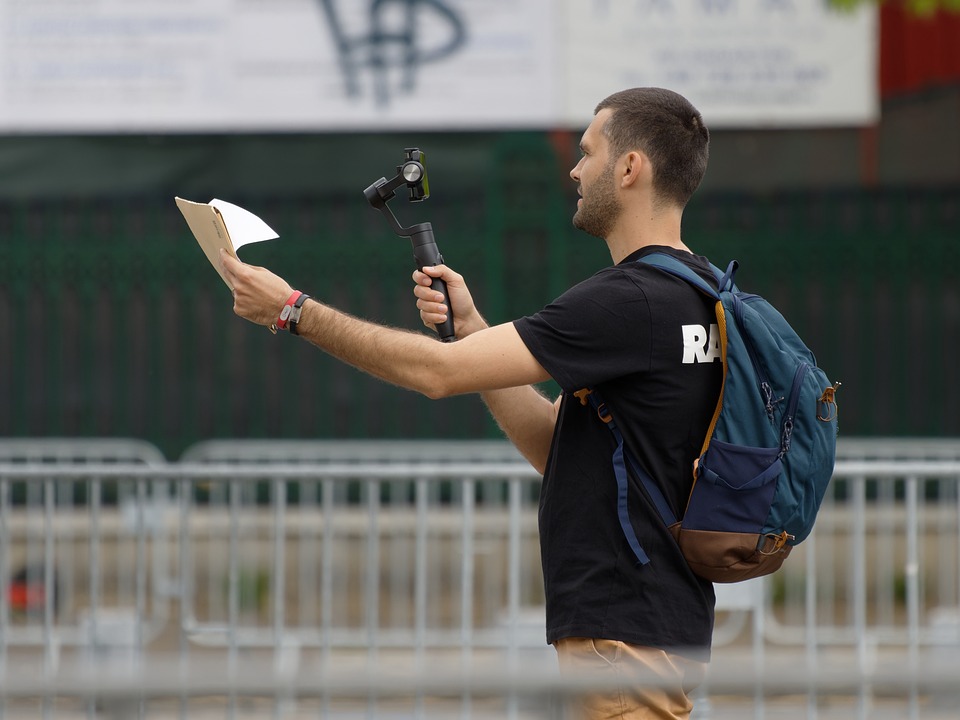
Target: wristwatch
x=295, y=311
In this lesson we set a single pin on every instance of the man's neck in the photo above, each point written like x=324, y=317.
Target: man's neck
x=640, y=230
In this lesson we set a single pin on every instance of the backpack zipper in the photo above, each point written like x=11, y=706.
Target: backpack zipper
x=792, y=403
x=738, y=300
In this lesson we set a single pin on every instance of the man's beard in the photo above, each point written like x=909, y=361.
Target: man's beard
x=598, y=214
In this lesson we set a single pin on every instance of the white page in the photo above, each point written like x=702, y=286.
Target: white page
x=243, y=226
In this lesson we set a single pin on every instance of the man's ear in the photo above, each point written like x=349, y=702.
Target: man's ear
x=634, y=165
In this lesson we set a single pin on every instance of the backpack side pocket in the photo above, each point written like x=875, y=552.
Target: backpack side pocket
x=721, y=532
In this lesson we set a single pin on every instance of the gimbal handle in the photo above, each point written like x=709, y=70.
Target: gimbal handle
x=425, y=250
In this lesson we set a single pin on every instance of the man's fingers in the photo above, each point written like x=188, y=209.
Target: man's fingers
x=429, y=303
x=431, y=318
x=434, y=270
x=427, y=294
x=431, y=306
x=432, y=303
x=427, y=275
x=421, y=279
x=228, y=264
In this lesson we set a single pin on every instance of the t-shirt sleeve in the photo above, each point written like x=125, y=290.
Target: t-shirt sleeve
x=596, y=331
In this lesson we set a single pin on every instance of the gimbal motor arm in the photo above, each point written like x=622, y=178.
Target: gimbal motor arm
x=413, y=174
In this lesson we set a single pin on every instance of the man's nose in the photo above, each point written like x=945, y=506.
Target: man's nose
x=575, y=173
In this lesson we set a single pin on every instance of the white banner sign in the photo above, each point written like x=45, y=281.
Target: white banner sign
x=284, y=65
x=741, y=62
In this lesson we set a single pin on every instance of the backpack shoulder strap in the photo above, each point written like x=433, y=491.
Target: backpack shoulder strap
x=670, y=264
x=621, y=459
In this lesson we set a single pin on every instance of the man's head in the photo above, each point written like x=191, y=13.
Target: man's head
x=666, y=128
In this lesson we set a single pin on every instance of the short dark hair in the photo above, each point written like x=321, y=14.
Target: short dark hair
x=668, y=129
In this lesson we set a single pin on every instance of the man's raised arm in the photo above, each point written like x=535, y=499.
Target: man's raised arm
x=486, y=359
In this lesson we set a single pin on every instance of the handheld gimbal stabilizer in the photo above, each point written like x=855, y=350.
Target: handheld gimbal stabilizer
x=413, y=174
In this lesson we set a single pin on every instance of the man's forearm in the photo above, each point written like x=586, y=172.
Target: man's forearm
x=527, y=418
x=400, y=357
x=491, y=359
x=524, y=415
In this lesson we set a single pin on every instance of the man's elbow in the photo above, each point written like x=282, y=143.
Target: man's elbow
x=439, y=385
x=435, y=392
x=442, y=376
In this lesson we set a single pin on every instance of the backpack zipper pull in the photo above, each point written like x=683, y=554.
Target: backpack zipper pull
x=768, y=398
x=778, y=542
x=787, y=436
x=827, y=405
x=791, y=410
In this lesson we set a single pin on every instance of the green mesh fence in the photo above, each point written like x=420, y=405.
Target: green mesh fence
x=870, y=280
x=112, y=323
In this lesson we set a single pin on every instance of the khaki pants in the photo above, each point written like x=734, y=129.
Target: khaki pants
x=641, y=682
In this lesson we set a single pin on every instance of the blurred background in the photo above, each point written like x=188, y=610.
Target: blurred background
x=834, y=179
x=178, y=485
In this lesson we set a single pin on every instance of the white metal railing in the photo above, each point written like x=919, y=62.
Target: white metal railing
x=313, y=564
x=349, y=522
x=427, y=452
x=883, y=557
x=431, y=451
x=260, y=687
x=898, y=448
x=72, y=451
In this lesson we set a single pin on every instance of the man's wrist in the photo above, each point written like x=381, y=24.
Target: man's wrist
x=286, y=310
x=474, y=324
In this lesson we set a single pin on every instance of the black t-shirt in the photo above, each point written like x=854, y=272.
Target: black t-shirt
x=643, y=339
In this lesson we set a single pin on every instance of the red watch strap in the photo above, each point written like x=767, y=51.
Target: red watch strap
x=285, y=310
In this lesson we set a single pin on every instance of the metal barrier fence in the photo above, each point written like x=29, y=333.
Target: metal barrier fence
x=407, y=558
x=78, y=450
x=353, y=451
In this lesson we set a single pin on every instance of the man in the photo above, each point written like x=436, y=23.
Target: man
x=622, y=332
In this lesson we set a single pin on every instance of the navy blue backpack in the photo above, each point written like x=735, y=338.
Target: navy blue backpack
x=769, y=451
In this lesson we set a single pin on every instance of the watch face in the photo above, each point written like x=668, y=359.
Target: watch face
x=285, y=313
